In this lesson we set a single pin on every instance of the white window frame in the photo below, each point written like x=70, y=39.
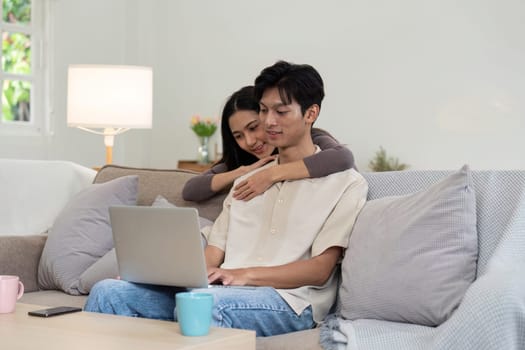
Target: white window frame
x=38, y=29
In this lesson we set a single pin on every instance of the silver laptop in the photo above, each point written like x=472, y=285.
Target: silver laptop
x=160, y=246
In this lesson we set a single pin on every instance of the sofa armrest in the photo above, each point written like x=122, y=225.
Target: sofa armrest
x=20, y=255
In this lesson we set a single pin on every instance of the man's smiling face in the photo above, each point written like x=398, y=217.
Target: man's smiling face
x=283, y=123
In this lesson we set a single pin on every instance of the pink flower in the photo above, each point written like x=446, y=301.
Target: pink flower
x=203, y=127
x=196, y=119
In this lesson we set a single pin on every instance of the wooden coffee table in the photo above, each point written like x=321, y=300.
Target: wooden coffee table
x=93, y=331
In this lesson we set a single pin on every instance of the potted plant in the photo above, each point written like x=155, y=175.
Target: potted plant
x=381, y=162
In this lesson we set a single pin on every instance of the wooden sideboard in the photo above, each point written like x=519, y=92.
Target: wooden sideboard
x=193, y=165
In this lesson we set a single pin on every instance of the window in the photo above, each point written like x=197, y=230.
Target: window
x=21, y=71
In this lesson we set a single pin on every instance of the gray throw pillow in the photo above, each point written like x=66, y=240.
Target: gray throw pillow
x=411, y=258
x=103, y=268
x=81, y=234
x=107, y=266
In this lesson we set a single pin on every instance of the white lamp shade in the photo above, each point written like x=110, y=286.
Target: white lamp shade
x=104, y=96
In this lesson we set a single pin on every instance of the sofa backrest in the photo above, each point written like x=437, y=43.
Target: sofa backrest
x=500, y=200
x=500, y=208
x=165, y=182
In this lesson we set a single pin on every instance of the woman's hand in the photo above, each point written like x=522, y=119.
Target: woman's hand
x=255, y=184
x=245, y=169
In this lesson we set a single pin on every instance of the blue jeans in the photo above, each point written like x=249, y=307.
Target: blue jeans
x=260, y=309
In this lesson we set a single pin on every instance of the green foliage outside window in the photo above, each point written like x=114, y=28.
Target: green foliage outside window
x=15, y=100
x=16, y=59
x=16, y=11
x=16, y=53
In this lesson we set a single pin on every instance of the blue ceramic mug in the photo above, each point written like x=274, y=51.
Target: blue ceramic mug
x=194, y=312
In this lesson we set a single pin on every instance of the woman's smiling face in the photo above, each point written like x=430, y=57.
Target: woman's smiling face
x=249, y=134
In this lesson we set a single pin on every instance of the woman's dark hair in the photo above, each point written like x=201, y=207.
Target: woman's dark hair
x=234, y=156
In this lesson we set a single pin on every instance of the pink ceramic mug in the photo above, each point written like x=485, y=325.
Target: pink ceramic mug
x=11, y=289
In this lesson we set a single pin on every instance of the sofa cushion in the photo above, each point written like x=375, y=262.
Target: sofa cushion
x=53, y=298
x=411, y=258
x=81, y=233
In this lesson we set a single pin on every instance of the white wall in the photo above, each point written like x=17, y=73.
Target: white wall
x=437, y=83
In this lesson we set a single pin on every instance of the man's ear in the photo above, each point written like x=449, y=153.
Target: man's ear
x=311, y=114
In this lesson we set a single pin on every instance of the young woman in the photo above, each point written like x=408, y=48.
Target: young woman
x=245, y=149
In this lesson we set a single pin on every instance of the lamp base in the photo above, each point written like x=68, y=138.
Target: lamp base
x=109, y=139
x=109, y=154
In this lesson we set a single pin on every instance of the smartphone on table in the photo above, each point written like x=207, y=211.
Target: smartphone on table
x=54, y=311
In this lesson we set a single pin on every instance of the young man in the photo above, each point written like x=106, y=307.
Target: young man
x=285, y=242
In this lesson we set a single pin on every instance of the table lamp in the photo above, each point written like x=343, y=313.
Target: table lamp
x=111, y=98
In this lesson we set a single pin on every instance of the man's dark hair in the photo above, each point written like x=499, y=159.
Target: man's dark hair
x=299, y=82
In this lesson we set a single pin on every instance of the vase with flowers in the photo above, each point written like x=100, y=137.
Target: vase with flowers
x=204, y=128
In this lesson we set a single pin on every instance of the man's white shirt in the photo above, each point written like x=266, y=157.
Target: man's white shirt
x=291, y=221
